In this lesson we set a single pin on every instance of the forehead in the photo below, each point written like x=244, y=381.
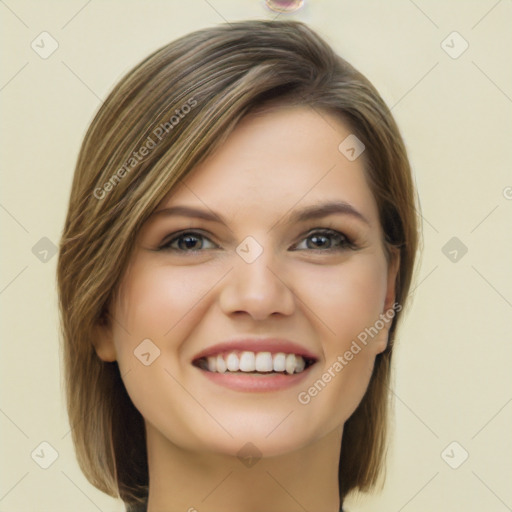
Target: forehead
x=276, y=159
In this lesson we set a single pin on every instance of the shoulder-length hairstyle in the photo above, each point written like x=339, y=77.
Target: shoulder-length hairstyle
x=180, y=103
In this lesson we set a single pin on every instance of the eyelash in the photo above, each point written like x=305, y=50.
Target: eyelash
x=345, y=241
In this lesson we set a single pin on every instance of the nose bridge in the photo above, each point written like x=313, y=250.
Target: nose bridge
x=255, y=285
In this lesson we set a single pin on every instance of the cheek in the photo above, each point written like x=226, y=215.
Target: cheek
x=349, y=297
x=347, y=300
x=163, y=304
x=158, y=302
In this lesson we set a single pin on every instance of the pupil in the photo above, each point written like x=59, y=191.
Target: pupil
x=189, y=242
x=317, y=240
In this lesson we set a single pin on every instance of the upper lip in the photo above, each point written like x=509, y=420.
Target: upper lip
x=273, y=345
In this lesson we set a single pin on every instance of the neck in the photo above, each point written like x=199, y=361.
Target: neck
x=182, y=480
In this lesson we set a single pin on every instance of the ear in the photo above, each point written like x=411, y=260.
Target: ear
x=388, y=311
x=393, y=268
x=103, y=339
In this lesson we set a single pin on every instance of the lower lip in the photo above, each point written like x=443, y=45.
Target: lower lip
x=256, y=383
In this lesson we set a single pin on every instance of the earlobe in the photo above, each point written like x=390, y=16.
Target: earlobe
x=103, y=341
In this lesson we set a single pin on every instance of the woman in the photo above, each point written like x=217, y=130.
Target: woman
x=239, y=244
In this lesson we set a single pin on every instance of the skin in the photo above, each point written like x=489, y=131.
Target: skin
x=275, y=163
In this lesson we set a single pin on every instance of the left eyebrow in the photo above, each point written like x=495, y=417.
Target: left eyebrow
x=317, y=211
x=314, y=211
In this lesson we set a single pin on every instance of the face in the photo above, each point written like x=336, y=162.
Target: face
x=271, y=246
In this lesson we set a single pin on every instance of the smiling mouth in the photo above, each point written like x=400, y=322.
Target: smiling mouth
x=254, y=363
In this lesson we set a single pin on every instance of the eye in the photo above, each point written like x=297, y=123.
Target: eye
x=320, y=240
x=187, y=241
x=326, y=240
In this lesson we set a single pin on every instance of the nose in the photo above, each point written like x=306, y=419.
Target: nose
x=259, y=289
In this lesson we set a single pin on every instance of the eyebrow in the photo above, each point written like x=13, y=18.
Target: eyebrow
x=314, y=211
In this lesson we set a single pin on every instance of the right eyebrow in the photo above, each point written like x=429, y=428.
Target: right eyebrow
x=188, y=211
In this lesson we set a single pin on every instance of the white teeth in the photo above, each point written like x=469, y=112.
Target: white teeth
x=247, y=362
x=263, y=362
x=279, y=362
x=221, y=364
x=290, y=363
x=232, y=363
x=212, y=364
x=300, y=364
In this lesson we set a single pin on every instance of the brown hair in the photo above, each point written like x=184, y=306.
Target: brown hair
x=181, y=102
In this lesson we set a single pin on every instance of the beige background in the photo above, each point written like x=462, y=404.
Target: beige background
x=452, y=380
